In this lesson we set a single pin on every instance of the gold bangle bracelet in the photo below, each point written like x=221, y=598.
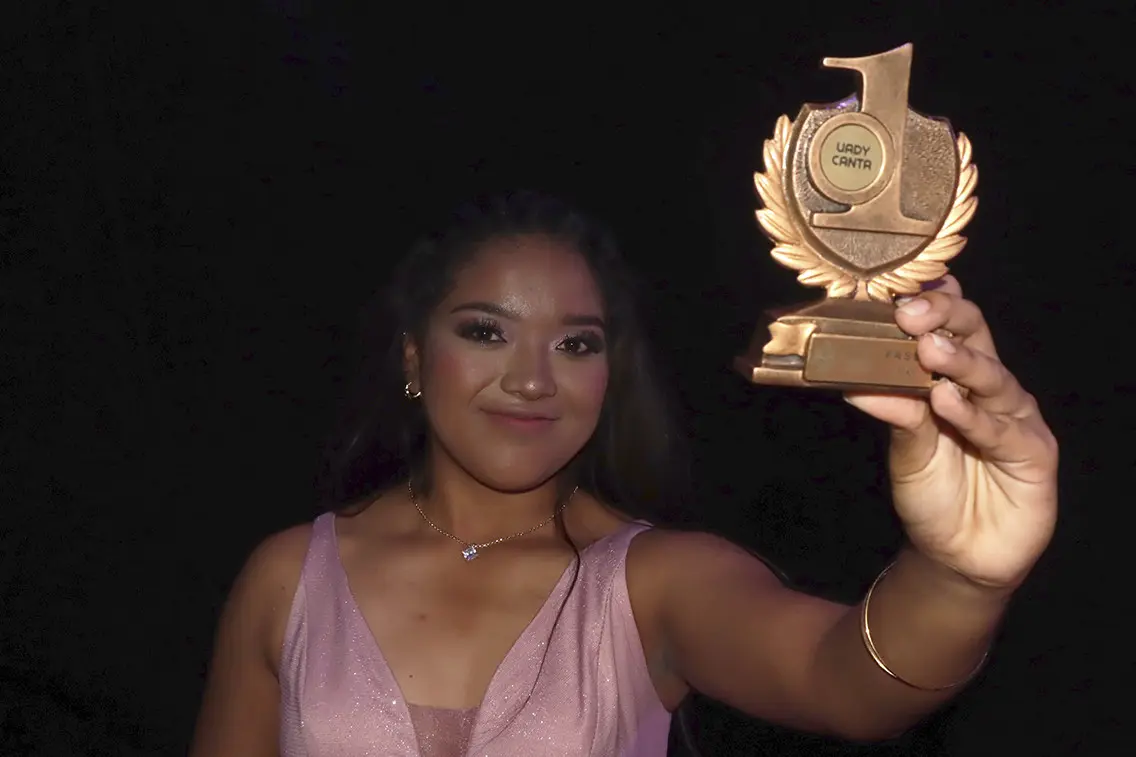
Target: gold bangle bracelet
x=866, y=634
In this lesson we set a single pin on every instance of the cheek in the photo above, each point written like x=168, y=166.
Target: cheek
x=454, y=371
x=589, y=386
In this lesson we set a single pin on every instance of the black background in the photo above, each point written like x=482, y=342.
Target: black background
x=197, y=201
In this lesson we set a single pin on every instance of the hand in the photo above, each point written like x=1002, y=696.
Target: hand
x=974, y=477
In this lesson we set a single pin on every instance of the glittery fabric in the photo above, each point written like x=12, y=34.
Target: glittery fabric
x=577, y=686
x=441, y=732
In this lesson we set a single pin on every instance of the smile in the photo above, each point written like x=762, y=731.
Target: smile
x=520, y=421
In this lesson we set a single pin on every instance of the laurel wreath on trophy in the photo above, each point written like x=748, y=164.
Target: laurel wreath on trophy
x=792, y=251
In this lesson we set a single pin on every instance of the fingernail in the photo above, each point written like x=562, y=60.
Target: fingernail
x=913, y=305
x=954, y=389
x=942, y=343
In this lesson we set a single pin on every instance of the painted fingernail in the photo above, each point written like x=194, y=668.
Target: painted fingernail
x=913, y=306
x=942, y=343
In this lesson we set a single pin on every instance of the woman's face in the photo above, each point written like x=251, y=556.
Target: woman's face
x=513, y=367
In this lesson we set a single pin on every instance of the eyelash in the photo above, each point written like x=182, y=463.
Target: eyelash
x=487, y=331
x=475, y=331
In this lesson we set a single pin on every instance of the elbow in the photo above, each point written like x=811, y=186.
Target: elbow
x=869, y=731
x=852, y=714
x=860, y=723
x=872, y=735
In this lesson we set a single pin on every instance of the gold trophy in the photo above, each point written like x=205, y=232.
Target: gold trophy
x=866, y=198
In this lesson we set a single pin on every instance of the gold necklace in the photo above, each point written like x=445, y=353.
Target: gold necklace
x=471, y=551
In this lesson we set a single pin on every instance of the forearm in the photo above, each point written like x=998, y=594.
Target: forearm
x=929, y=625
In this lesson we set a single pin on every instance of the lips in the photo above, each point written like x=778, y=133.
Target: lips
x=520, y=419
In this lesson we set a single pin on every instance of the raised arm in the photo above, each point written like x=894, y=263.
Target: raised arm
x=729, y=629
x=974, y=482
x=240, y=711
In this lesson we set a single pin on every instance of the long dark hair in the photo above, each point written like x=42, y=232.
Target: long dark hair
x=632, y=461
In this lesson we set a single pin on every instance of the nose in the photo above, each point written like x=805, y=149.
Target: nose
x=529, y=373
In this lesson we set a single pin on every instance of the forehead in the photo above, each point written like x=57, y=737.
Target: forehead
x=529, y=273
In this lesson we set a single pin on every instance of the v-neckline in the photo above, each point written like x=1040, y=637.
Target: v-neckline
x=383, y=670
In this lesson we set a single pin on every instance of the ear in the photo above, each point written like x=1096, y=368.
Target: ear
x=411, y=362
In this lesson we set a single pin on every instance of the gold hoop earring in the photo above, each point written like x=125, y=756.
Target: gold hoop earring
x=409, y=394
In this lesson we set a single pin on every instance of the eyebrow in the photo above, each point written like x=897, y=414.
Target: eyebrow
x=512, y=315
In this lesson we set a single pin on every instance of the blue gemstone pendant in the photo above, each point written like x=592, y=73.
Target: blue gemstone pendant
x=469, y=553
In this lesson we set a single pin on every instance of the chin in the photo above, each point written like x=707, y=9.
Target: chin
x=512, y=468
x=513, y=480
x=515, y=474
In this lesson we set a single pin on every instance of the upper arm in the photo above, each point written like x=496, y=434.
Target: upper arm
x=240, y=710
x=731, y=630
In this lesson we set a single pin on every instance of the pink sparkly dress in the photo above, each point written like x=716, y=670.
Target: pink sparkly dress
x=592, y=695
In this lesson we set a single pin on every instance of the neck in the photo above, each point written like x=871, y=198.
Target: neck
x=475, y=512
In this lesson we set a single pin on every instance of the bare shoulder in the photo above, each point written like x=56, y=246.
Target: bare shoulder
x=678, y=576
x=278, y=559
x=239, y=712
x=661, y=560
x=267, y=583
x=668, y=570
x=724, y=625
x=670, y=574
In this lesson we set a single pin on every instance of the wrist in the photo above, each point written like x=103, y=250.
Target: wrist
x=927, y=625
x=948, y=582
x=870, y=646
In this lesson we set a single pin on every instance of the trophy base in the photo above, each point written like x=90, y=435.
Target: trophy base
x=839, y=344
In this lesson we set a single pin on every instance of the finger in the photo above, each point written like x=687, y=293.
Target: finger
x=997, y=436
x=939, y=310
x=899, y=411
x=988, y=382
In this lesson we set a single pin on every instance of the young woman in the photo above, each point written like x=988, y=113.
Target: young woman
x=505, y=596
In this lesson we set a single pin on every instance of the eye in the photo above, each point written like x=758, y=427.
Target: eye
x=482, y=331
x=587, y=343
